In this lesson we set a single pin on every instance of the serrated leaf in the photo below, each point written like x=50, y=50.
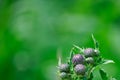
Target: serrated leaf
x=108, y=61
x=103, y=74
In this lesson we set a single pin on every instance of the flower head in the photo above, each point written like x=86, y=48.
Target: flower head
x=80, y=69
x=78, y=59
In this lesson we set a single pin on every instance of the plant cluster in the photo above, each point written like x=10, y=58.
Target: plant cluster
x=81, y=64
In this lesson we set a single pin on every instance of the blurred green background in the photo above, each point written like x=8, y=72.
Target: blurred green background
x=32, y=32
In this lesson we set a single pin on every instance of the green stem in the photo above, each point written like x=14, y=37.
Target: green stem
x=89, y=72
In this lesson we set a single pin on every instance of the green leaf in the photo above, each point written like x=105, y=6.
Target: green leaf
x=108, y=61
x=84, y=78
x=59, y=61
x=77, y=48
x=59, y=56
x=95, y=42
x=71, y=55
x=113, y=79
x=103, y=74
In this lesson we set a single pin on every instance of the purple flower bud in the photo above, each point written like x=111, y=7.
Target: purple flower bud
x=63, y=75
x=89, y=52
x=64, y=68
x=78, y=59
x=80, y=69
x=90, y=60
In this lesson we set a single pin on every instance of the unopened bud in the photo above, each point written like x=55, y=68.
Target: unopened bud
x=64, y=68
x=80, y=69
x=63, y=75
x=78, y=59
x=89, y=52
x=90, y=60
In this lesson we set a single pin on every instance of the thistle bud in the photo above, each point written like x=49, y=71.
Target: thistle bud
x=78, y=59
x=90, y=60
x=63, y=75
x=64, y=68
x=80, y=69
x=89, y=52
x=97, y=52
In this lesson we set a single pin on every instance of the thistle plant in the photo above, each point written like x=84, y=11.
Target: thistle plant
x=82, y=62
